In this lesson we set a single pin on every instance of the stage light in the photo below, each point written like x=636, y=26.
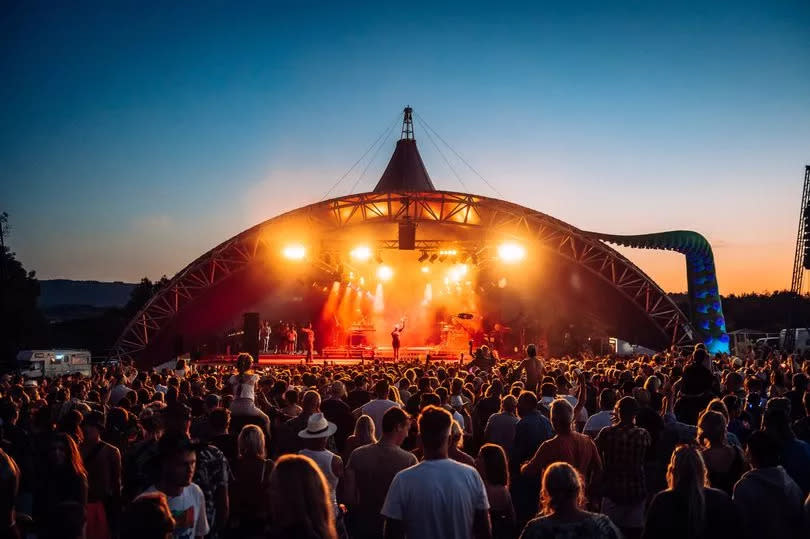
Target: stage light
x=425, y=269
x=294, y=252
x=457, y=272
x=361, y=253
x=362, y=281
x=442, y=257
x=379, y=258
x=379, y=302
x=384, y=273
x=511, y=252
x=502, y=282
x=424, y=256
x=433, y=258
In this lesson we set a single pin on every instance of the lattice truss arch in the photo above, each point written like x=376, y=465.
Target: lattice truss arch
x=460, y=209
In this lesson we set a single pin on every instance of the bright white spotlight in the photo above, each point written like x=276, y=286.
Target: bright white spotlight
x=361, y=253
x=294, y=252
x=425, y=269
x=457, y=272
x=379, y=303
x=384, y=273
x=511, y=253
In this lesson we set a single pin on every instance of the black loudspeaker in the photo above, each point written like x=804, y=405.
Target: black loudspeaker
x=178, y=345
x=407, y=235
x=250, y=338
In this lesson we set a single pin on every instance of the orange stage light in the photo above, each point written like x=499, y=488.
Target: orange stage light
x=294, y=252
x=361, y=253
x=511, y=253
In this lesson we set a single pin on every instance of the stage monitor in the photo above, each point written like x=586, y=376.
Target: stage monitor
x=407, y=235
x=250, y=338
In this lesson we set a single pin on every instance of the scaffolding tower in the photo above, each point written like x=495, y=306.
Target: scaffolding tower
x=801, y=259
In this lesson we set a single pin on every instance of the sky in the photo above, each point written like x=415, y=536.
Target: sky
x=135, y=137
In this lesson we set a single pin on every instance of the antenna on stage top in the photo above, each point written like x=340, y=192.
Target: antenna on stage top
x=407, y=124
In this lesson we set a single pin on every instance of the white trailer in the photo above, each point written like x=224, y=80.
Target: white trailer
x=50, y=363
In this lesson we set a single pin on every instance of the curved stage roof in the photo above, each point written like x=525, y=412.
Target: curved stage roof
x=585, y=274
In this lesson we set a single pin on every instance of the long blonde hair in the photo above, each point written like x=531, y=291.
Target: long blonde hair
x=251, y=442
x=687, y=475
x=299, y=498
x=364, y=430
x=562, y=485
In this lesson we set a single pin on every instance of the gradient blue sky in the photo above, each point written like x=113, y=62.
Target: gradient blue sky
x=135, y=138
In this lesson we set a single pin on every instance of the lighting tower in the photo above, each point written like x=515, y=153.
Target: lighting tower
x=407, y=124
x=801, y=259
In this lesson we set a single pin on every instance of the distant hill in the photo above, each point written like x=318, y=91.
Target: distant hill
x=58, y=292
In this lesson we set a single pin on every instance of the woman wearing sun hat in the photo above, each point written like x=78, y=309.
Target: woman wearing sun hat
x=315, y=437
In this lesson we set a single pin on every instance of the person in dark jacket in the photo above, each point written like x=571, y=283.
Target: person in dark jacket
x=769, y=501
x=689, y=507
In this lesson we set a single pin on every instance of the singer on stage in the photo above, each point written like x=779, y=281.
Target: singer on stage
x=398, y=329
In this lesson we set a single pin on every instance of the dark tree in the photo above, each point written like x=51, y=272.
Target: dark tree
x=142, y=293
x=21, y=323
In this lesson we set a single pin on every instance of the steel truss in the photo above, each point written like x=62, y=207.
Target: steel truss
x=492, y=217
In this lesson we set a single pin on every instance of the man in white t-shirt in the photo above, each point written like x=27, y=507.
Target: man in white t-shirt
x=438, y=498
x=376, y=408
x=186, y=500
x=603, y=418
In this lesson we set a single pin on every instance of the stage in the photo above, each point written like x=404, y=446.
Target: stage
x=346, y=356
x=287, y=360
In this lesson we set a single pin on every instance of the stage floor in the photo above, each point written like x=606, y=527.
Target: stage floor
x=281, y=360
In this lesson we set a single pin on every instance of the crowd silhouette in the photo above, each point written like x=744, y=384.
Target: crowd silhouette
x=671, y=445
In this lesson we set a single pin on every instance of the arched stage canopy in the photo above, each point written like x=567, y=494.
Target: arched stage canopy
x=224, y=282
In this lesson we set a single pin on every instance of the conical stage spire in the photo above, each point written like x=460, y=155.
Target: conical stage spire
x=405, y=170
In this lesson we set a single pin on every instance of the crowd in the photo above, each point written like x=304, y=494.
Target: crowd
x=673, y=445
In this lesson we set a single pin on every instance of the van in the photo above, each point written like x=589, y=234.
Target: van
x=53, y=363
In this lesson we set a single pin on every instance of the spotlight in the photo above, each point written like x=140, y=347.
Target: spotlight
x=442, y=257
x=423, y=257
x=294, y=252
x=384, y=273
x=379, y=257
x=425, y=269
x=433, y=258
x=511, y=252
x=361, y=253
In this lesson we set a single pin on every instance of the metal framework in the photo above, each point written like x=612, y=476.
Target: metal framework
x=480, y=215
x=802, y=241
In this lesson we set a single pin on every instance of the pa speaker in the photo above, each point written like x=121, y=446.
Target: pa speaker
x=250, y=338
x=407, y=235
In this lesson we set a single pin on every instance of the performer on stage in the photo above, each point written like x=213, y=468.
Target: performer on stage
x=310, y=342
x=264, y=336
x=398, y=329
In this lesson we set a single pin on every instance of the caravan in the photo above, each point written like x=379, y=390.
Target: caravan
x=48, y=363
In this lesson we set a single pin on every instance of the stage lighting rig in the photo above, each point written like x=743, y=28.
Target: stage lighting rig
x=424, y=257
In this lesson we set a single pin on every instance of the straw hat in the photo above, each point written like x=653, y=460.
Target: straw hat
x=318, y=427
